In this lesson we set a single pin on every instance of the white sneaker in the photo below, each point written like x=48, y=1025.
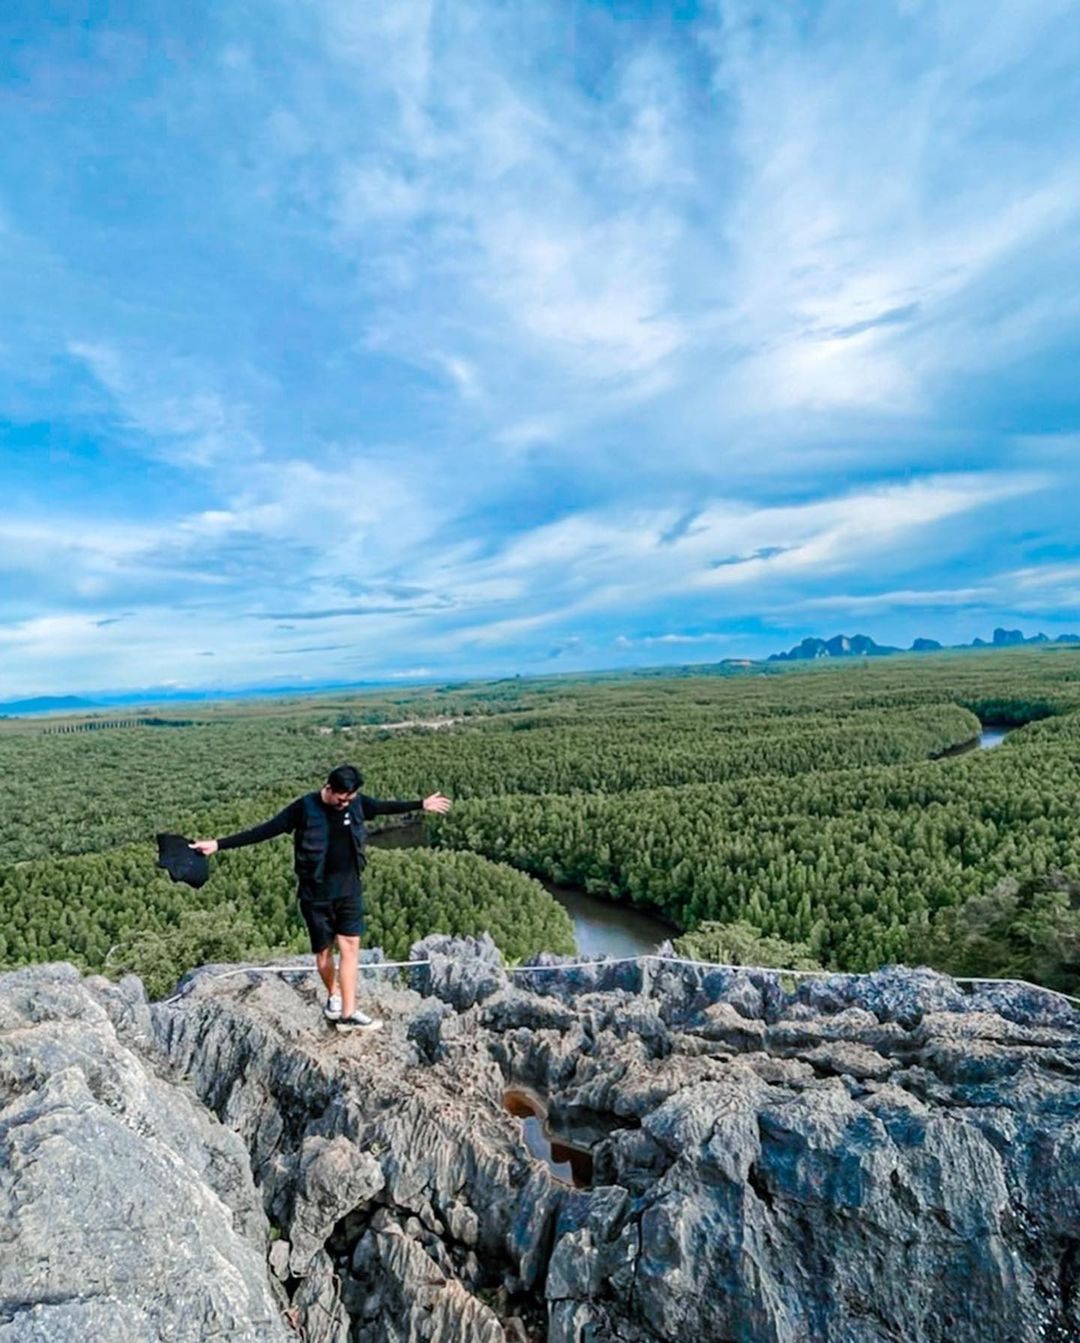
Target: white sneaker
x=332, y=1010
x=358, y=1021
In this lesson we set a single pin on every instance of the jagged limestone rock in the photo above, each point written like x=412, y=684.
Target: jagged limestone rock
x=860, y=1162
x=126, y=1211
x=414, y=1297
x=333, y=1178
x=851, y=1160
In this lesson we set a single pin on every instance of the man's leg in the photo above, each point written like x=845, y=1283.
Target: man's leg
x=321, y=934
x=348, y=928
x=349, y=947
x=324, y=962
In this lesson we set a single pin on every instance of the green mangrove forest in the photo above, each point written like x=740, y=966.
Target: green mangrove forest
x=837, y=813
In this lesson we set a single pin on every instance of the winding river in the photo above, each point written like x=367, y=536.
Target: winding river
x=992, y=734
x=605, y=927
x=601, y=927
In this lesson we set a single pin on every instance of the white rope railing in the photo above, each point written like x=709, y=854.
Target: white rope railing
x=605, y=961
x=283, y=970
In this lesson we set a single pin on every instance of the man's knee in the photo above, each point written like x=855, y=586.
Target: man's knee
x=348, y=943
x=327, y=954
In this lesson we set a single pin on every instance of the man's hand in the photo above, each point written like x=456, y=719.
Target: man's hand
x=207, y=846
x=436, y=802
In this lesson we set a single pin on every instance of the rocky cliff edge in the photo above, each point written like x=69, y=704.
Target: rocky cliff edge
x=854, y=1160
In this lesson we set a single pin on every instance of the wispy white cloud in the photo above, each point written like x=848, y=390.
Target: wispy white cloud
x=181, y=421
x=506, y=204
x=647, y=640
x=844, y=217
x=612, y=561
x=878, y=602
x=839, y=534
x=1048, y=575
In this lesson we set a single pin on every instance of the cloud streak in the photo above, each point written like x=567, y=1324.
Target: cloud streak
x=355, y=340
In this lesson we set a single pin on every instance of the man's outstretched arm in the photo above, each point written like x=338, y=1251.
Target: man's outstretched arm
x=283, y=823
x=374, y=806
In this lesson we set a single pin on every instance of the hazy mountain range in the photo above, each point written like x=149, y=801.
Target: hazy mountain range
x=861, y=645
x=47, y=704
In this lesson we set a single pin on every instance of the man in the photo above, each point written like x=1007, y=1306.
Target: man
x=328, y=847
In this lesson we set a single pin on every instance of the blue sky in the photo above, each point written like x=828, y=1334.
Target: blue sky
x=345, y=341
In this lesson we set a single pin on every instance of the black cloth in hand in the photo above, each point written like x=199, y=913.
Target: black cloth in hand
x=181, y=861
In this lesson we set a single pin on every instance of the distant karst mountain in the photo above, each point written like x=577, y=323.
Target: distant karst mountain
x=839, y=646
x=47, y=704
x=861, y=645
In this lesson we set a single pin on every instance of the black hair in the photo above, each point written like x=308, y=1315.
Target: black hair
x=344, y=779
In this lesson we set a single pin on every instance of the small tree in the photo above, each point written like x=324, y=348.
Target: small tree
x=1018, y=930
x=740, y=943
x=160, y=958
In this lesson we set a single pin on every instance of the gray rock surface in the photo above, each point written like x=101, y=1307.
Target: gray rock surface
x=853, y=1160
x=126, y=1210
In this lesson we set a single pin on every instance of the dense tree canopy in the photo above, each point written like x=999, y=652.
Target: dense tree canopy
x=118, y=911
x=828, y=807
x=846, y=860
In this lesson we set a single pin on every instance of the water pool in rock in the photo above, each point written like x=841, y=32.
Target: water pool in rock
x=566, y=1162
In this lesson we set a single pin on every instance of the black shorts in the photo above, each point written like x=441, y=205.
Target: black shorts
x=326, y=919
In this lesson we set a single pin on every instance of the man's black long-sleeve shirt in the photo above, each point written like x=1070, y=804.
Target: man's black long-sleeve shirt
x=340, y=879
